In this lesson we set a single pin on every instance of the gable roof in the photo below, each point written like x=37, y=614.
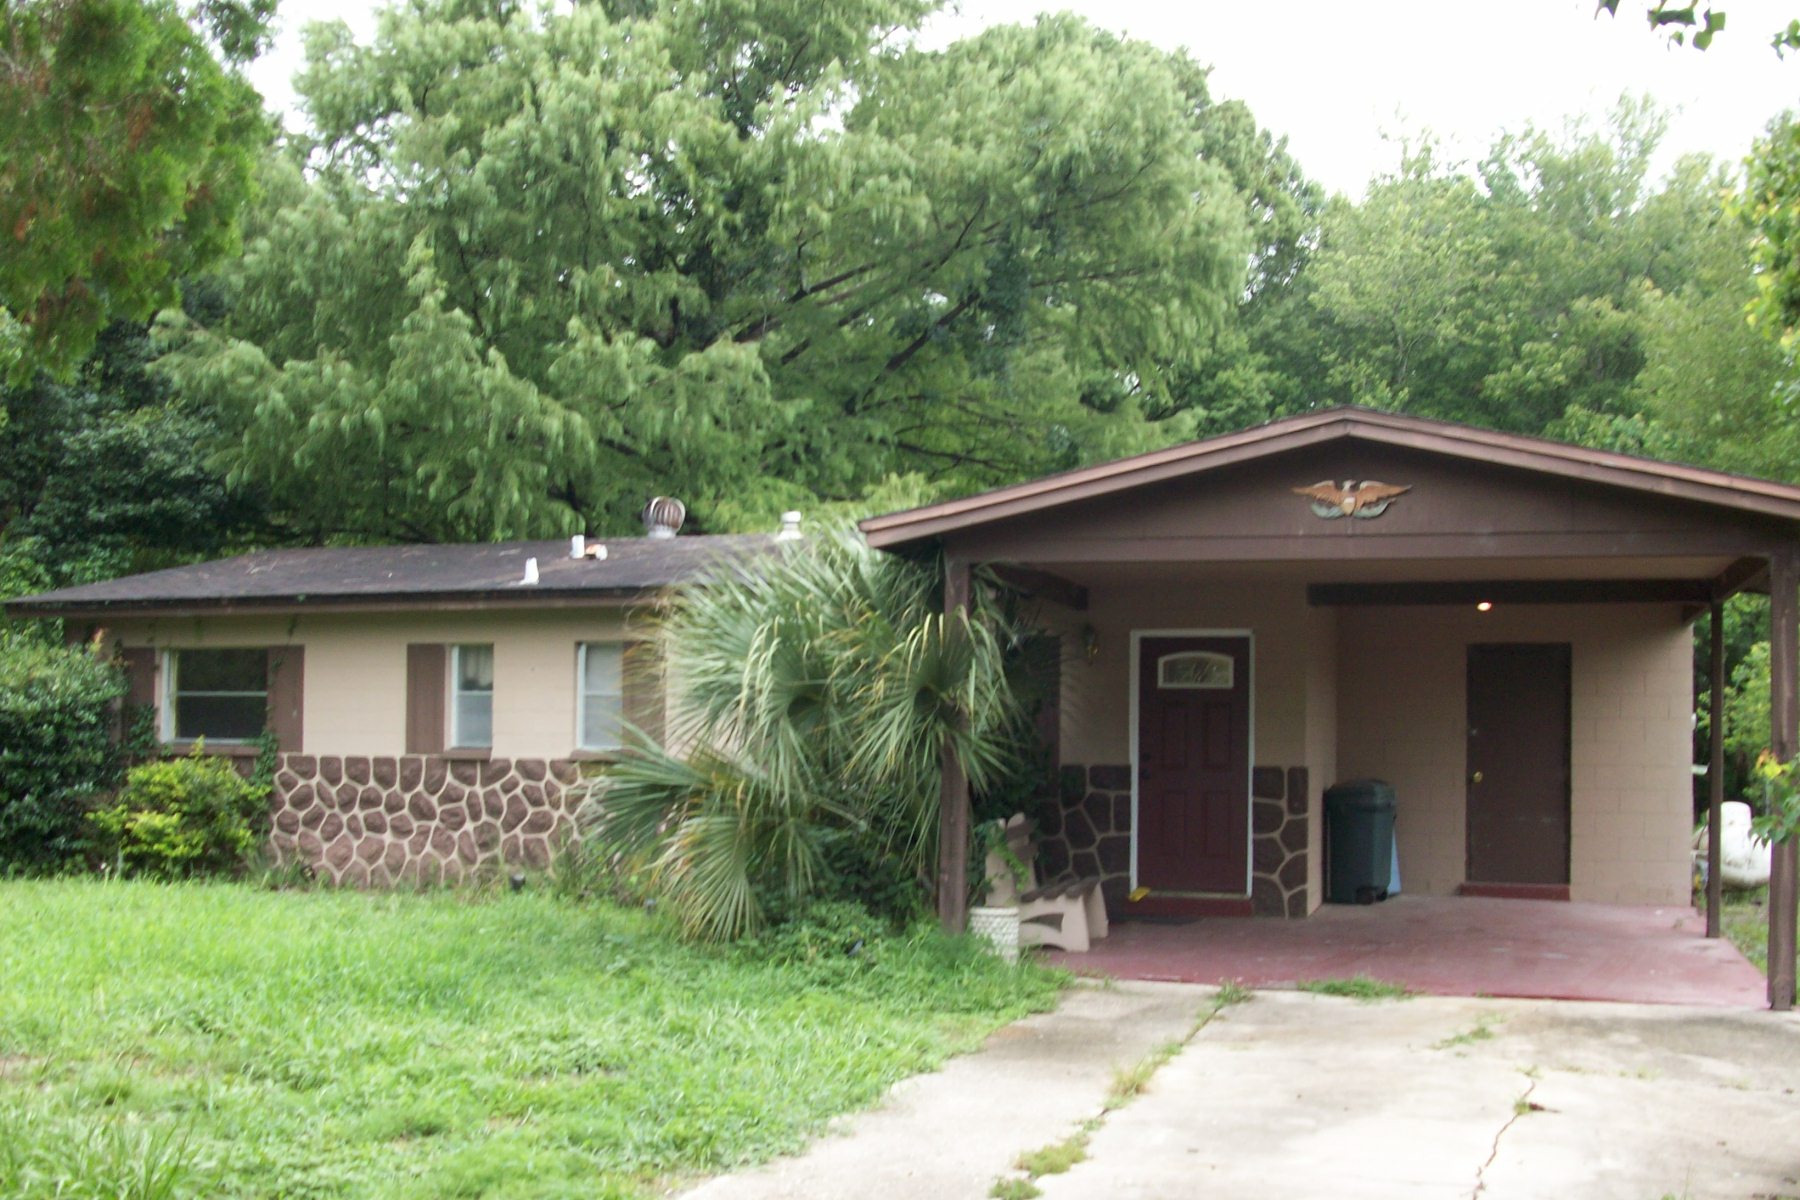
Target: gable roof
x=1733, y=492
x=407, y=576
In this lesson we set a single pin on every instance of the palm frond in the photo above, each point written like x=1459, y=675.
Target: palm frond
x=817, y=696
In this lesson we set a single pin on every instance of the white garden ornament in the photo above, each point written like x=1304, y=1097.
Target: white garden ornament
x=1744, y=857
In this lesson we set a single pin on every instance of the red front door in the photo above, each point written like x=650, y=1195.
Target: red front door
x=1193, y=766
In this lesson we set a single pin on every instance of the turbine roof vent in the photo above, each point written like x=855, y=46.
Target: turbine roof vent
x=663, y=517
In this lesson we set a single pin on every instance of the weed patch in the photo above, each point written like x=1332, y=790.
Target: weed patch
x=1482, y=1031
x=1360, y=987
x=1058, y=1157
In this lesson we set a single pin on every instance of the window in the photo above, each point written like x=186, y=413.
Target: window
x=219, y=695
x=1194, y=669
x=471, y=696
x=600, y=695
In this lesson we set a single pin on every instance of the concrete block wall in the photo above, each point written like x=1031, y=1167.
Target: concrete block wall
x=1402, y=706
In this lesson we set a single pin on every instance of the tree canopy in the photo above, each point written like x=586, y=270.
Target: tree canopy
x=128, y=150
x=534, y=265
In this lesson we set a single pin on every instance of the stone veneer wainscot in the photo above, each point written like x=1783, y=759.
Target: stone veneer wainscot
x=420, y=819
x=1087, y=832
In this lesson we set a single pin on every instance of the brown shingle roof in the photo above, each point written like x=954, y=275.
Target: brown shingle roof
x=402, y=576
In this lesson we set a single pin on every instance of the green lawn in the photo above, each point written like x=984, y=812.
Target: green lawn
x=1745, y=920
x=253, y=1043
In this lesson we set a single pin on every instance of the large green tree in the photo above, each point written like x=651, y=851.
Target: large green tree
x=1508, y=292
x=127, y=151
x=536, y=264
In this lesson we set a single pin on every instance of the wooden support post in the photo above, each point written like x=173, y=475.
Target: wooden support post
x=953, y=788
x=1715, y=775
x=1784, y=741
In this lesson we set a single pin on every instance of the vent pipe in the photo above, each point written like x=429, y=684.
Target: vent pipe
x=663, y=517
x=790, y=528
x=578, y=546
x=531, y=573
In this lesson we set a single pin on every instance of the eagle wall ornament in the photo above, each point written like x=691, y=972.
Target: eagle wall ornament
x=1365, y=500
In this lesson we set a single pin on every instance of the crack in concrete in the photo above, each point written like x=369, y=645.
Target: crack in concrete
x=1521, y=1106
x=1139, y=1074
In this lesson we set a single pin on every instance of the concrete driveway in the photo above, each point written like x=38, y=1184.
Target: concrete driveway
x=1291, y=1094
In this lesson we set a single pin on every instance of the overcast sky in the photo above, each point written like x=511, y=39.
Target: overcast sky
x=1339, y=79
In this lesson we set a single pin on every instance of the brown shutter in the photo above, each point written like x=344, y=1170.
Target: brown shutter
x=425, y=688
x=287, y=679
x=642, y=682
x=140, y=675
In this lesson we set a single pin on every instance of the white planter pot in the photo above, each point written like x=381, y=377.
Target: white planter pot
x=999, y=927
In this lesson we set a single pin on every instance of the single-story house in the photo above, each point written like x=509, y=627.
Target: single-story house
x=1500, y=626
x=432, y=705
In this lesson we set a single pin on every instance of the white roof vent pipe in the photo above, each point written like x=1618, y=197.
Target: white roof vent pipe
x=663, y=517
x=790, y=527
x=531, y=573
x=578, y=546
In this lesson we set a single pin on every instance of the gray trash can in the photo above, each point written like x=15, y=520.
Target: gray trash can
x=1359, y=841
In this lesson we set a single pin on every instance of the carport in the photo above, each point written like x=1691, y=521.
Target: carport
x=1447, y=946
x=1500, y=626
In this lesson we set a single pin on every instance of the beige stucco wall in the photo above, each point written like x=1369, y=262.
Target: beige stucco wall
x=1381, y=692
x=1097, y=692
x=1294, y=673
x=1402, y=703
x=355, y=676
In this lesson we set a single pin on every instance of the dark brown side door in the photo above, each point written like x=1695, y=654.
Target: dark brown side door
x=1518, y=763
x=1193, y=764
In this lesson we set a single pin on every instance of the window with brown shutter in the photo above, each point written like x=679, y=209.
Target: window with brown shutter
x=219, y=695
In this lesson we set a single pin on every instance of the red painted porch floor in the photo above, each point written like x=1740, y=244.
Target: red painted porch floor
x=1447, y=946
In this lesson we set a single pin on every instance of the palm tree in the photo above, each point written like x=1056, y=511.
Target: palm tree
x=811, y=700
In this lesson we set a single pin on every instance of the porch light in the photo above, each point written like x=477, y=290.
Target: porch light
x=1484, y=606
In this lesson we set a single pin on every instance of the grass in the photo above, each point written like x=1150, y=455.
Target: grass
x=162, y=1042
x=1058, y=1157
x=1745, y=920
x=1481, y=1031
x=1360, y=987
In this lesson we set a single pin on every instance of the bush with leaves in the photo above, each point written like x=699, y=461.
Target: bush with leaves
x=816, y=695
x=56, y=748
x=182, y=817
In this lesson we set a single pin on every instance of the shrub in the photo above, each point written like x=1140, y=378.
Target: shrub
x=828, y=939
x=816, y=696
x=56, y=749
x=184, y=816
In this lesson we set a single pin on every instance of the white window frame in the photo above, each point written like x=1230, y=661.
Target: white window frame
x=169, y=691
x=457, y=741
x=582, y=694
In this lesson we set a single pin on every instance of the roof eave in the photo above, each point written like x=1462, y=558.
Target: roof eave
x=32, y=607
x=1758, y=497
